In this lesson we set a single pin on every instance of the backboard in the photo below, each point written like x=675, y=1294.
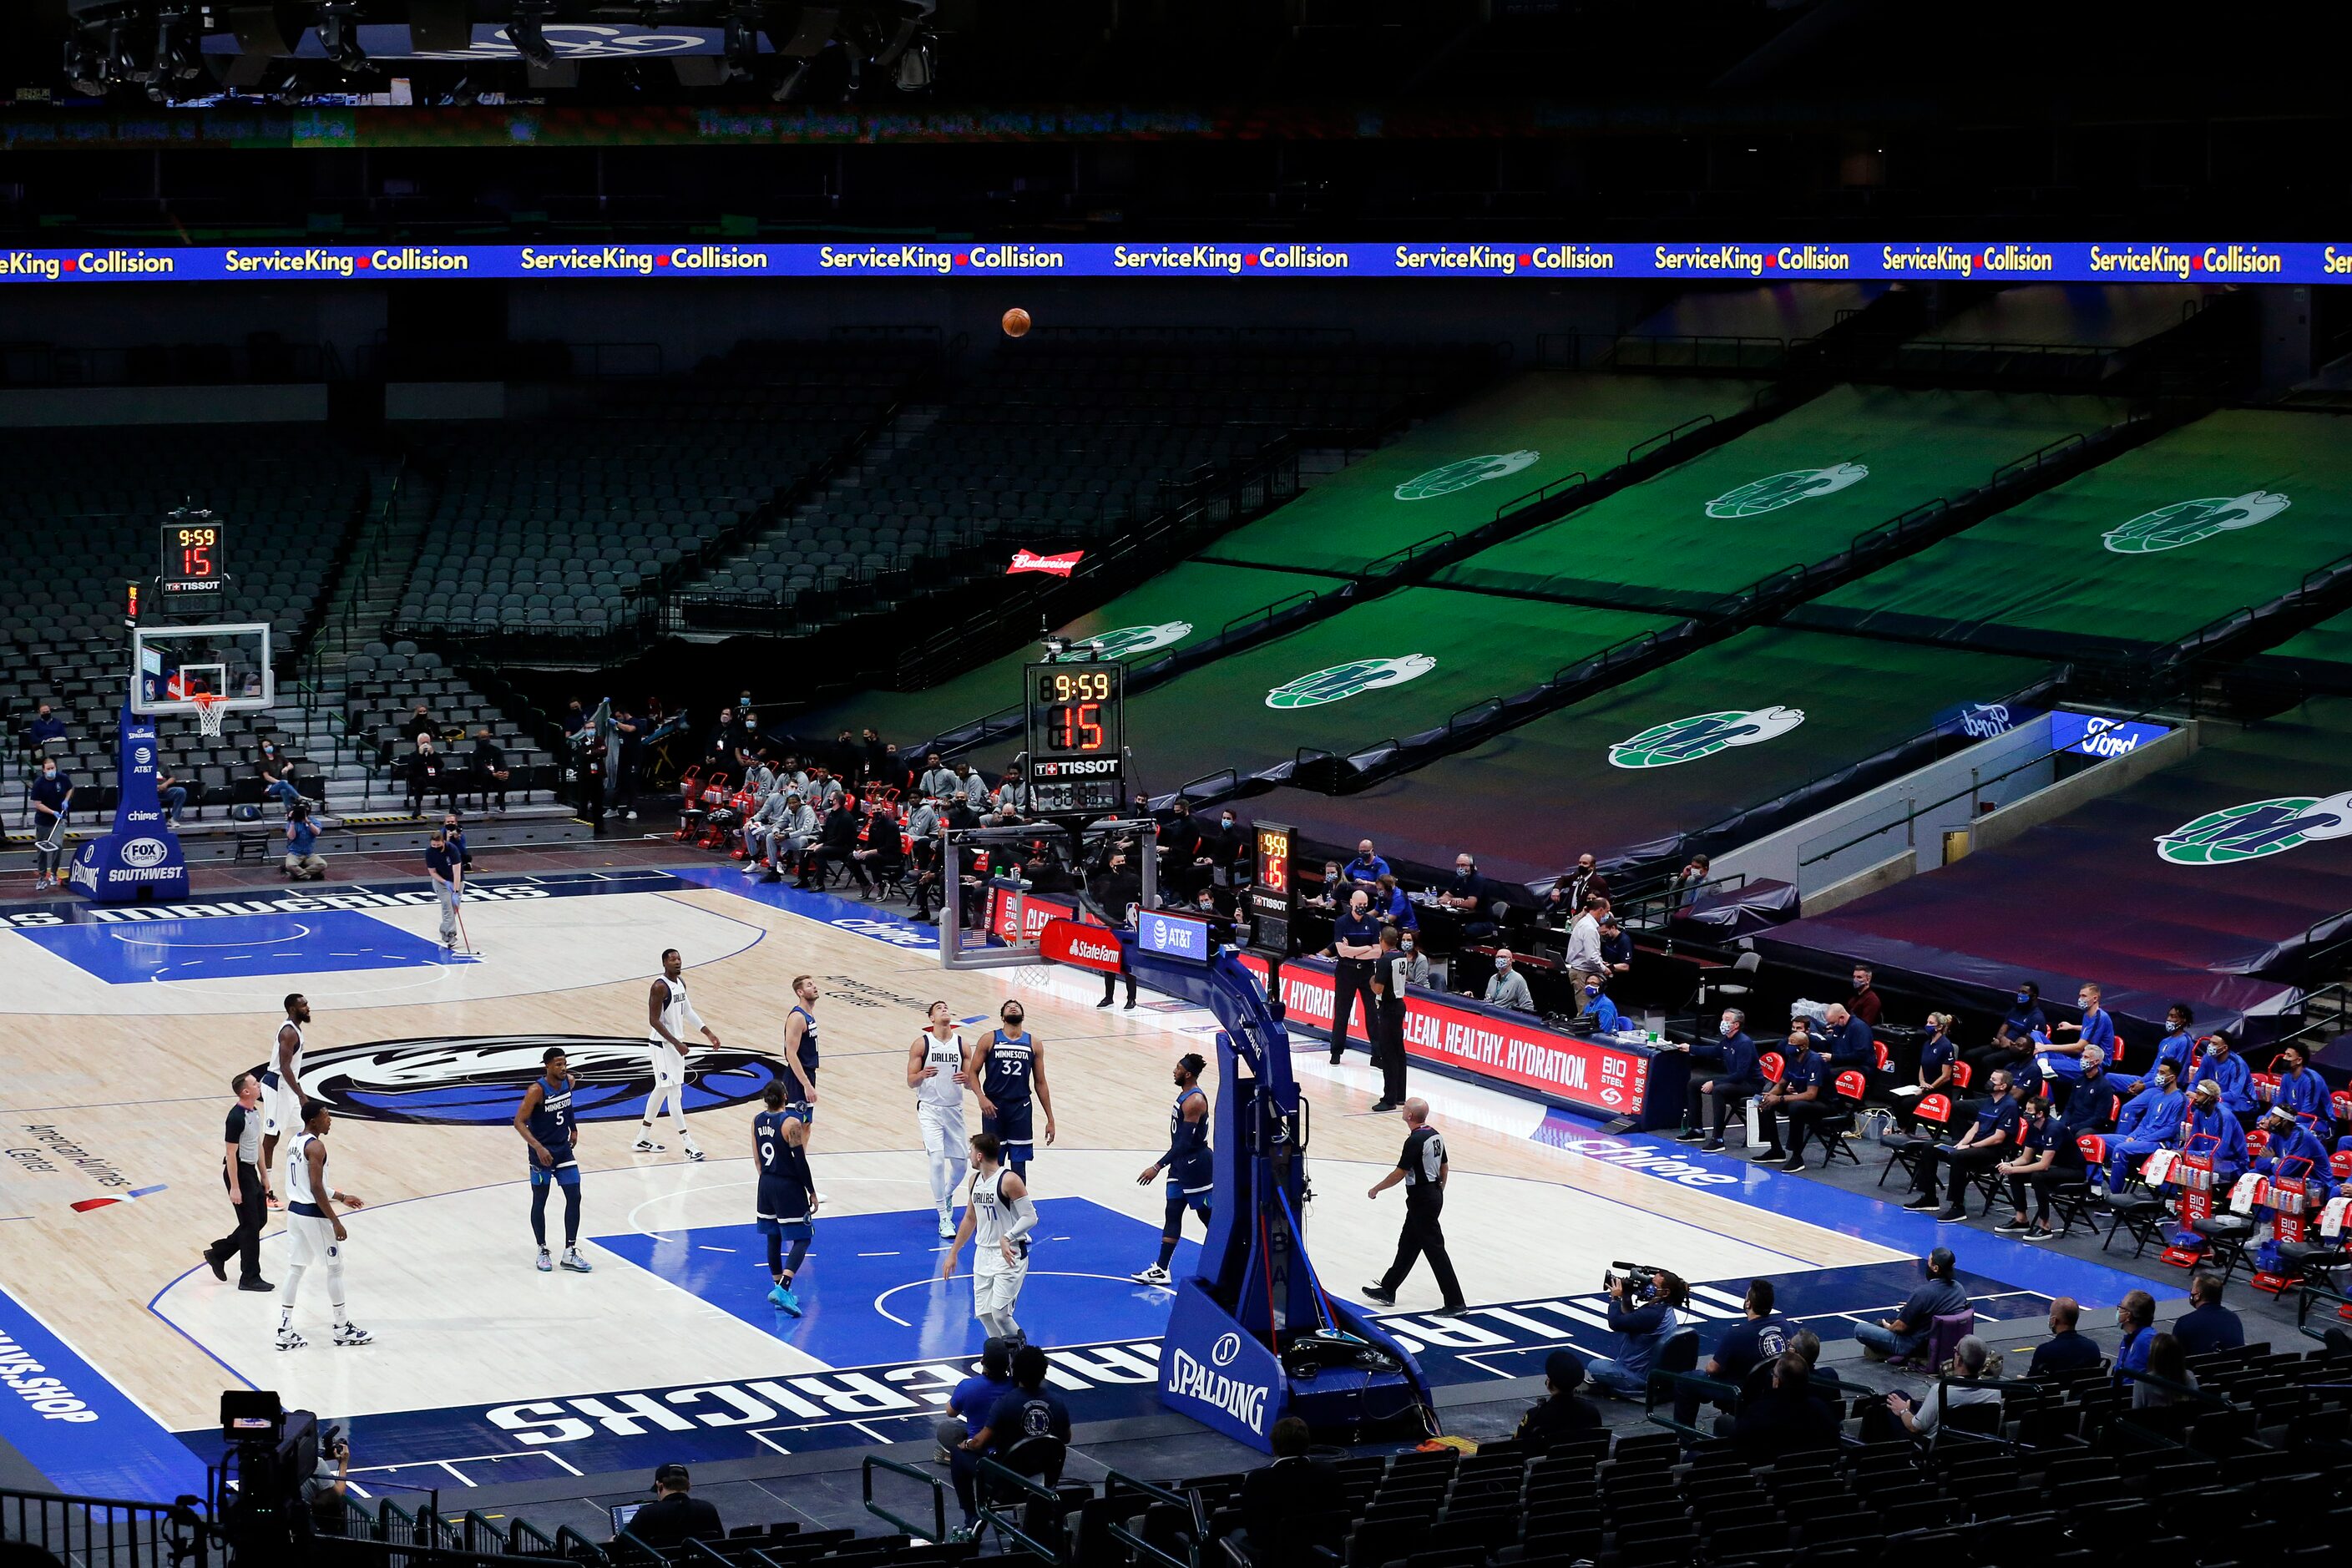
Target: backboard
x=171, y=666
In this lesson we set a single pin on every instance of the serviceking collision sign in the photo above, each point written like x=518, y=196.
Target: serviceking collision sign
x=1589, y=1074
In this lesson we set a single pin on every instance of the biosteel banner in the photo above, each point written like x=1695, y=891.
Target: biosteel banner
x=1486, y=1042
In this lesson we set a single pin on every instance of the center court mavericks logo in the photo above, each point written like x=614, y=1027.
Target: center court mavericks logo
x=1462, y=474
x=1702, y=735
x=1776, y=491
x=1137, y=639
x=2189, y=521
x=470, y=1080
x=1342, y=681
x=2257, y=828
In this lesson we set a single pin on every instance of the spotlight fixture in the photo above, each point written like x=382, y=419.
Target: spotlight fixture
x=528, y=32
x=175, y=45
x=84, y=71
x=743, y=39
x=790, y=82
x=339, y=34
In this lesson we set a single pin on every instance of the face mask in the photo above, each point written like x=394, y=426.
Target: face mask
x=1729, y=1029
x=2022, y=998
x=1408, y=944
x=1227, y=821
x=48, y=772
x=2213, y=1051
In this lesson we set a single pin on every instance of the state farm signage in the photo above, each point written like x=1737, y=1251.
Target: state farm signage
x=1486, y=1042
x=1088, y=947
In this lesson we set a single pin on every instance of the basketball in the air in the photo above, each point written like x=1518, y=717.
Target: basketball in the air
x=1017, y=322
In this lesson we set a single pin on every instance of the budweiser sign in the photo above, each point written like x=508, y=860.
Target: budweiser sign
x=1030, y=561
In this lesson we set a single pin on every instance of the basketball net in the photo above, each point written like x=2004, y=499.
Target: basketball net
x=211, y=708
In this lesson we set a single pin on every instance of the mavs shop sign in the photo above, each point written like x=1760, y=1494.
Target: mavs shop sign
x=139, y=857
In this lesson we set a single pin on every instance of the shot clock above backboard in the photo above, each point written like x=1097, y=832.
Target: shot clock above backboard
x=194, y=571
x=1076, y=735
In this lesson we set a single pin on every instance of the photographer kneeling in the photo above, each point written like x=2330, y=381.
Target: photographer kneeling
x=1646, y=1308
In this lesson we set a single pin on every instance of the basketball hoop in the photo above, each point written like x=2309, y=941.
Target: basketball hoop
x=211, y=708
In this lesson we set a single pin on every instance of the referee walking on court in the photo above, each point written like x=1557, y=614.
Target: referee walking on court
x=241, y=1174
x=1356, y=946
x=1422, y=1169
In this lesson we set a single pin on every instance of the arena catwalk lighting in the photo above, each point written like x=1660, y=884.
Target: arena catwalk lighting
x=175, y=45
x=743, y=39
x=528, y=32
x=85, y=72
x=918, y=68
x=790, y=82
x=339, y=34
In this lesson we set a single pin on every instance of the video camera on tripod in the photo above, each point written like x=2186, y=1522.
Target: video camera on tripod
x=257, y=1485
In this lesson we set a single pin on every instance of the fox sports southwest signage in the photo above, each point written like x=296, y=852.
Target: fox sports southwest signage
x=2002, y=261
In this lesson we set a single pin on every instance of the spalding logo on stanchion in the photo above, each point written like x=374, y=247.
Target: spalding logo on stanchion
x=140, y=856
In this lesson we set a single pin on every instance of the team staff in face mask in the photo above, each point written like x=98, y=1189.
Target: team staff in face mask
x=1732, y=1055
x=52, y=799
x=2012, y=1044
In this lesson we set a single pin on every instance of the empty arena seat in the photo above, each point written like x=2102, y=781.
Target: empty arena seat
x=2153, y=889
x=2223, y=519
x=1644, y=769
x=1794, y=492
x=1455, y=471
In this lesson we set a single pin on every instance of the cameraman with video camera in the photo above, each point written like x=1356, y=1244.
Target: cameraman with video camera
x=324, y=1489
x=1646, y=1308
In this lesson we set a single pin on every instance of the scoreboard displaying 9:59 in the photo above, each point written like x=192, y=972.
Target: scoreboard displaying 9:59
x=193, y=567
x=1077, y=736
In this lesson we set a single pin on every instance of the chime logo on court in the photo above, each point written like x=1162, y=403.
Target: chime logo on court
x=2257, y=828
x=2189, y=522
x=1137, y=639
x=478, y=1079
x=1460, y=475
x=1776, y=491
x=1702, y=735
x=1345, y=680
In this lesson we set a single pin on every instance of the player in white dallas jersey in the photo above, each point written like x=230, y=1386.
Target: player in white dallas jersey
x=315, y=1230
x=668, y=1016
x=281, y=1088
x=936, y=1072
x=997, y=1218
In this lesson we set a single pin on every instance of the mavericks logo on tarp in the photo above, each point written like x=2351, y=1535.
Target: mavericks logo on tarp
x=1462, y=475
x=478, y=1079
x=2189, y=522
x=1137, y=639
x=1344, y=680
x=1777, y=491
x=2257, y=828
x=1702, y=735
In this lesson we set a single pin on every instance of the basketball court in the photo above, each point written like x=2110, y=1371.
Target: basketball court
x=127, y=1022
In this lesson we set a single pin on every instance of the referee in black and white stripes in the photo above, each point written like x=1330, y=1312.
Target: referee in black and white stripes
x=241, y=1174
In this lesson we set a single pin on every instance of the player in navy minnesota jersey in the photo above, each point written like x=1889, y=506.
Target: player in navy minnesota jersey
x=546, y=1122
x=1191, y=1170
x=1011, y=1070
x=787, y=1192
